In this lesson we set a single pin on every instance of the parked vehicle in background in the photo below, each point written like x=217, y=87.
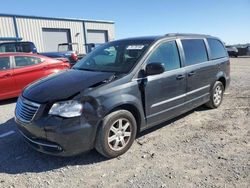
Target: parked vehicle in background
x=243, y=49
x=64, y=50
x=29, y=47
x=17, y=70
x=121, y=88
x=232, y=51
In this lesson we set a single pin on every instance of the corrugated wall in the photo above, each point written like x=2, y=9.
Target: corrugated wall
x=110, y=27
x=31, y=30
x=7, y=27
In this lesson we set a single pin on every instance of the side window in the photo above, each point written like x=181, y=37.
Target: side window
x=24, y=47
x=4, y=63
x=167, y=54
x=23, y=61
x=194, y=50
x=217, y=49
x=8, y=47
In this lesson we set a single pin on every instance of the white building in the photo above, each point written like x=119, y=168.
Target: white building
x=46, y=33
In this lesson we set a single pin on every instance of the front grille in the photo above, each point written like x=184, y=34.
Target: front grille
x=26, y=110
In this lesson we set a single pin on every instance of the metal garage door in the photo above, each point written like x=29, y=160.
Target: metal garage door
x=53, y=37
x=97, y=36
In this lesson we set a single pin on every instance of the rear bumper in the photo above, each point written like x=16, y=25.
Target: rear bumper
x=58, y=136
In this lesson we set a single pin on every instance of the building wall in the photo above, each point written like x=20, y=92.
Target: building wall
x=102, y=26
x=31, y=30
x=7, y=27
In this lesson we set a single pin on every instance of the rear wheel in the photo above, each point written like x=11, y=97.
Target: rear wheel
x=116, y=134
x=216, y=95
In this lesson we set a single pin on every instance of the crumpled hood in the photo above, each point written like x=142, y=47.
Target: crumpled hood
x=63, y=85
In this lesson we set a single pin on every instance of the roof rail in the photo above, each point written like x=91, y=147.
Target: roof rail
x=183, y=34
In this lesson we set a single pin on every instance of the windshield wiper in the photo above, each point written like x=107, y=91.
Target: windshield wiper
x=83, y=69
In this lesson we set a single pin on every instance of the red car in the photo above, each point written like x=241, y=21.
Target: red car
x=19, y=69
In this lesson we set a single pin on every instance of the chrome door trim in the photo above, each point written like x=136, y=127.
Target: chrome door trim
x=179, y=96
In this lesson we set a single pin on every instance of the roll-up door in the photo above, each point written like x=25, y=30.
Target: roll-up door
x=53, y=37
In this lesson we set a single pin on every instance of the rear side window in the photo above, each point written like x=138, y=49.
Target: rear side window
x=8, y=47
x=217, y=49
x=23, y=61
x=4, y=63
x=24, y=47
x=195, y=51
x=167, y=54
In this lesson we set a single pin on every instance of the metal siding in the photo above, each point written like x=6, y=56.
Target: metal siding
x=110, y=28
x=31, y=30
x=7, y=28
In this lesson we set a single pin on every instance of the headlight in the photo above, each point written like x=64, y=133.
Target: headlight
x=71, y=108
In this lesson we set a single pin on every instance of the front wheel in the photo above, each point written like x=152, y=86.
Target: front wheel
x=116, y=134
x=216, y=95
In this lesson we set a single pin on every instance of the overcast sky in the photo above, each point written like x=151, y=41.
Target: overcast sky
x=226, y=19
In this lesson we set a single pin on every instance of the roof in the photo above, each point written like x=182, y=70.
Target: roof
x=56, y=18
x=142, y=38
x=170, y=35
x=185, y=35
x=21, y=54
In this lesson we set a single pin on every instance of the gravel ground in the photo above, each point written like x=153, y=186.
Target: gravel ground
x=202, y=148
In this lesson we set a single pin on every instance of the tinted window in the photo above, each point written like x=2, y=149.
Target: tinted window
x=23, y=61
x=195, y=51
x=167, y=54
x=4, y=63
x=8, y=47
x=23, y=47
x=217, y=49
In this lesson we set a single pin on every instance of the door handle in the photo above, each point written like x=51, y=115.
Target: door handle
x=179, y=77
x=191, y=73
x=5, y=75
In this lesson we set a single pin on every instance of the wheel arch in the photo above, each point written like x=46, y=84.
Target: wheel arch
x=222, y=78
x=133, y=110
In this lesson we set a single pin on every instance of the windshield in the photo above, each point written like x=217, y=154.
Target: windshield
x=117, y=56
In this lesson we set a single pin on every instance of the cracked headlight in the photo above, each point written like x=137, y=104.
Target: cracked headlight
x=68, y=109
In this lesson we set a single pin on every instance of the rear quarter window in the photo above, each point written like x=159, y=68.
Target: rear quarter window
x=4, y=63
x=217, y=49
x=195, y=51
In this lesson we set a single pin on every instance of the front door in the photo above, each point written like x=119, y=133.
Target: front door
x=165, y=93
x=28, y=69
x=7, y=84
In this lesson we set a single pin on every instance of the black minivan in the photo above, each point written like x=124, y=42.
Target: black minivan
x=121, y=88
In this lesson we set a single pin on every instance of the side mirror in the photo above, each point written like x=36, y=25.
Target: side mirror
x=154, y=68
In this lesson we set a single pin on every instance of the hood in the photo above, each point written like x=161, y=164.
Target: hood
x=64, y=85
x=57, y=54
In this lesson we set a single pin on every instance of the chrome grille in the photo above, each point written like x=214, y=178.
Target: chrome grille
x=26, y=110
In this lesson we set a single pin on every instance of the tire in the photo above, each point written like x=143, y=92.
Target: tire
x=116, y=134
x=236, y=56
x=216, y=95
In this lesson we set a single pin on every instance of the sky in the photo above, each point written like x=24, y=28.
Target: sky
x=226, y=19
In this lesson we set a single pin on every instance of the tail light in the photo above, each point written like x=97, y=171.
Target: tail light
x=74, y=57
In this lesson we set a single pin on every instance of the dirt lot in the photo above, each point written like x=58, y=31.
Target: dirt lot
x=203, y=148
